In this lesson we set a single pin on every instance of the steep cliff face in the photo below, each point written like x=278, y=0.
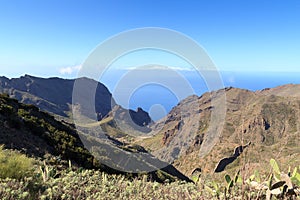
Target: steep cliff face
x=269, y=119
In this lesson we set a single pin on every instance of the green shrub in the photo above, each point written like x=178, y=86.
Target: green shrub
x=14, y=164
x=6, y=110
x=14, y=189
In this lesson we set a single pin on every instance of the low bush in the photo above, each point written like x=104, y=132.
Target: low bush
x=14, y=164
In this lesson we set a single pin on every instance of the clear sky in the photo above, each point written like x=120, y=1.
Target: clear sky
x=53, y=37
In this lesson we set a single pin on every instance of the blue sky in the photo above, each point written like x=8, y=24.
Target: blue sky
x=53, y=38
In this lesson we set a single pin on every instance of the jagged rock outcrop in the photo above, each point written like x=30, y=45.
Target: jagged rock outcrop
x=169, y=134
x=140, y=117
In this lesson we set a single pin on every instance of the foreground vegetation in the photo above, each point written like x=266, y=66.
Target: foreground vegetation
x=25, y=178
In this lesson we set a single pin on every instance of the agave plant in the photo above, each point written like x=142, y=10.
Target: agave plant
x=47, y=172
x=279, y=184
x=232, y=184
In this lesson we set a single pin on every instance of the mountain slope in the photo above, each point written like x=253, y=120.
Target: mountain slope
x=55, y=95
x=38, y=134
x=269, y=119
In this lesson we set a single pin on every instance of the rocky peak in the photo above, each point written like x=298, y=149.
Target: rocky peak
x=140, y=117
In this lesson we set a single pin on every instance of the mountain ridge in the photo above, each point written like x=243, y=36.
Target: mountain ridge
x=268, y=118
x=55, y=94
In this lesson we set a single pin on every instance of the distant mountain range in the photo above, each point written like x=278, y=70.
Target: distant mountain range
x=268, y=120
x=54, y=95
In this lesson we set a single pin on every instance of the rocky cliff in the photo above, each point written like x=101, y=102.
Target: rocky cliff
x=269, y=119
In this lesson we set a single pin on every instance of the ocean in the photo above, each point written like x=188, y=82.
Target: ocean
x=159, y=96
